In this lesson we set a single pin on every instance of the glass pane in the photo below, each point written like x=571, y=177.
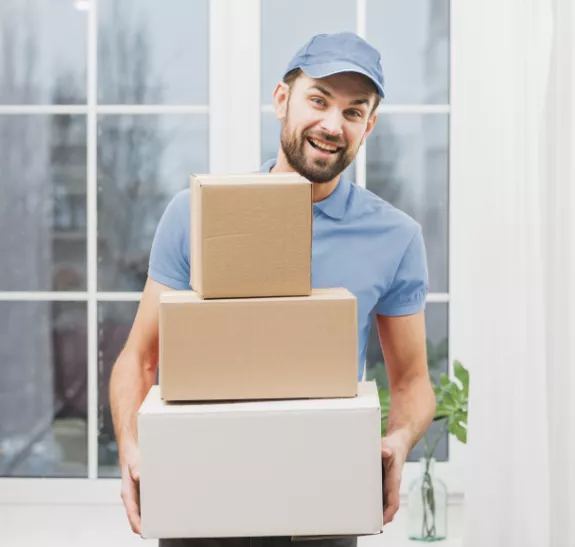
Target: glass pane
x=114, y=323
x=42, y=52
x=271, y=133
x=408, y=166
x=143, y=161
x=413, y=39
x=287, y=26
x=152, y=52
x=43, y=205
x=43, y=389
x=436, y=322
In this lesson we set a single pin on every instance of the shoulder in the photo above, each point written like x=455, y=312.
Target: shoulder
x=170, y=253
x=404, y=275
x=176, y=214
x=381, y=215
x=180, y=202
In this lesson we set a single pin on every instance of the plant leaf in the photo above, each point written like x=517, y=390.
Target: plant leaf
x=449, y=400
x=443, y=380
x=462, y=374
x=459, y=431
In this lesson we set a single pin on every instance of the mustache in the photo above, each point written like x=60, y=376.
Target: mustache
x=331, y=139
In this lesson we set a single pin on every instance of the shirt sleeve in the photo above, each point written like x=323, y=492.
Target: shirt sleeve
x=407, y=293
x=170, y=254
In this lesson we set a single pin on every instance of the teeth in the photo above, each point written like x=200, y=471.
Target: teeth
x=325, y=147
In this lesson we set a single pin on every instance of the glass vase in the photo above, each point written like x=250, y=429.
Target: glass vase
x=427, y=505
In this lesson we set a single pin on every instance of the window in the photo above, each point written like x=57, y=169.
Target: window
x=406, y=158
x=104, y=113
x=43, y=393
x=104, y=126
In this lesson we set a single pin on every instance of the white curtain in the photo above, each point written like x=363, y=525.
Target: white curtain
x=558, y=187
x=514, y=108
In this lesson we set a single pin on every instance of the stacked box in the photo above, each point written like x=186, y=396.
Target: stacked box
x=250, y=235
x=258, y=426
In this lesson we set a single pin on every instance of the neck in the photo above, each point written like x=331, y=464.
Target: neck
x=320, y=191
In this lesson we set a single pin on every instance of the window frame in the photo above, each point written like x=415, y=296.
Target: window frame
x=235, y=112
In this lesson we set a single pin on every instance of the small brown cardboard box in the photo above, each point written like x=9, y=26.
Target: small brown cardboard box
x=258, y=348
x=250, y=235
x=305, y=467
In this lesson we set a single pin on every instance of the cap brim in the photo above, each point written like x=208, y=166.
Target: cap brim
x=329, y=69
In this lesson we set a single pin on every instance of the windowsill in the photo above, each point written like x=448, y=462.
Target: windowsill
x=395, y=533
x=81, y=524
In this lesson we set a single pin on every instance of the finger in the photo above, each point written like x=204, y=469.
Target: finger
x=391, y=497
x=131, y=499
x=131, y=493
x=386, y=452
x=391, y=505
x=131, y=484
x=389, y=513
x=135, y=473
x=133, y=513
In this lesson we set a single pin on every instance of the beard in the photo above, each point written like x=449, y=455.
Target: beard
x=318, y=170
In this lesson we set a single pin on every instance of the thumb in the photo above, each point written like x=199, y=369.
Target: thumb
x=135, y=472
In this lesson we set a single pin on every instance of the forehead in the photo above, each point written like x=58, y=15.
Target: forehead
x=348, y=85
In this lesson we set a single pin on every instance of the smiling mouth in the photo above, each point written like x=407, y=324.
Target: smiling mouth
x=323, y=147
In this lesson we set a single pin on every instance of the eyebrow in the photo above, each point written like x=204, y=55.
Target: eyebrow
x=325, y=92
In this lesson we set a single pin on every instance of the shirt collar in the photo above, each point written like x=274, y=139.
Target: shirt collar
x=335, y=205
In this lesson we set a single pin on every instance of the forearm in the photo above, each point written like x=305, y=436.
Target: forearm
x=411, y=410
x=132, y=378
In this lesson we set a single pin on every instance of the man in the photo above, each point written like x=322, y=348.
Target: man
x=327, y=104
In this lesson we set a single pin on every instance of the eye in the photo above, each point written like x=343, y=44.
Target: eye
x=355, y=113
x=318, y=100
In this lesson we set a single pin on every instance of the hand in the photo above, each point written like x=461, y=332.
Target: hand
x=131, y=487
x=394, y=453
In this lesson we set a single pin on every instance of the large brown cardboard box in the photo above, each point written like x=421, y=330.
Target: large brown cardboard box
x=258, y=348
x=251, y=235
x=291, y=467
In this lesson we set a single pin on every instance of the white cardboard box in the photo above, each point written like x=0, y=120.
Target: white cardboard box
x=307, y=467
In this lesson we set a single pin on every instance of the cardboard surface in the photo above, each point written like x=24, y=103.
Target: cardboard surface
x=261, y=468
x=258, y=348
x=251, y=235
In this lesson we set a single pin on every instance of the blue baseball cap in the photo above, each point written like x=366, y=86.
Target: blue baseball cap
x=327, y=54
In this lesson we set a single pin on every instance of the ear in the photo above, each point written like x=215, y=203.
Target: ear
x=370, y=125
x=281, y=96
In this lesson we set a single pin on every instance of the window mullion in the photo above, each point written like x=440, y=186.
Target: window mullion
x=234, y=85
x=91, y=237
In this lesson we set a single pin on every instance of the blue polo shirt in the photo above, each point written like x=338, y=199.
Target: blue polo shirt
x=360, y=242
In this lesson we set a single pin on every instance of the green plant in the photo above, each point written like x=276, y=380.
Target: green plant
x=452, y=396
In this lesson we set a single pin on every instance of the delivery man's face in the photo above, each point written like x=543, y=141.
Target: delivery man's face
x=324, y=122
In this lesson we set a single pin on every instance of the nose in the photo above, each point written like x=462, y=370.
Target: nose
x=332, y=122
